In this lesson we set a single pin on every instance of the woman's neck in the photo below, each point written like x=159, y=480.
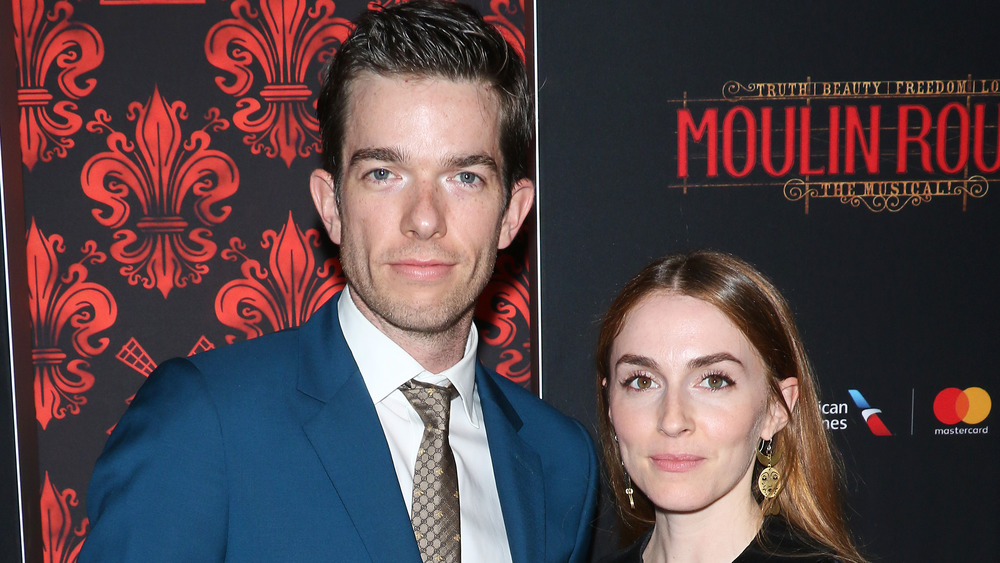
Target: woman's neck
x=719, y=532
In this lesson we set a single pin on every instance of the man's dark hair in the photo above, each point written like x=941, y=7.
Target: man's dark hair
x=430, y=39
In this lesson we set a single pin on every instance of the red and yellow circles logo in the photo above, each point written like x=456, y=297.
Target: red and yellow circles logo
x=971, y=406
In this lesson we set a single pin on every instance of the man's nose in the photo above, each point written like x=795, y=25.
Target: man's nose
x=424, y=216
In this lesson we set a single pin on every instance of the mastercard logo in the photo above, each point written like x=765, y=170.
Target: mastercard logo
x=953, y=405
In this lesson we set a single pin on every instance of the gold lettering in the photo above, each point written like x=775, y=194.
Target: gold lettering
x=872, y=88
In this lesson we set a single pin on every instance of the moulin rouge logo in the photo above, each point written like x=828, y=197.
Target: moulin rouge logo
x=880, y=145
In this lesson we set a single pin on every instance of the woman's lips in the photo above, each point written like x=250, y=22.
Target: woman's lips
x=676, y=463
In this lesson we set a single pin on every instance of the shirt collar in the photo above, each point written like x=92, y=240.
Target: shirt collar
x=385, y=365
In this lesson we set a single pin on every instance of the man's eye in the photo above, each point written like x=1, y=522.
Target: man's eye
x=467, y=177
x=380, y=174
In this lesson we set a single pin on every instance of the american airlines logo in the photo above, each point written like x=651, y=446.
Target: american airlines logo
x=870, y=415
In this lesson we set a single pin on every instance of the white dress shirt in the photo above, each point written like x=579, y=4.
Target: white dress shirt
x=385, y=366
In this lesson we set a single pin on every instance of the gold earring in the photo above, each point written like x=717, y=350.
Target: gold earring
x=628, y=480
x=628, y=488
x=769, y=480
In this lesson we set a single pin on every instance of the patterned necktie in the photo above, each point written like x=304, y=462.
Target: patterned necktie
x=435, y=514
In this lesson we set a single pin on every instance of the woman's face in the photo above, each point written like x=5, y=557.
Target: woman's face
x=688, y=400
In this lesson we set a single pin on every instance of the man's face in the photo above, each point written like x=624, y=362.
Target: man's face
x=421, y=209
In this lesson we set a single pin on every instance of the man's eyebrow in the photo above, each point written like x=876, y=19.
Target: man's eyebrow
x=385, y=154
x=473, y=160
x=710, y=359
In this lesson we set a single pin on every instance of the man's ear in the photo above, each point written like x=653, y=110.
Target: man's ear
x=522, y=195
x=325, y=200
x=778, y=415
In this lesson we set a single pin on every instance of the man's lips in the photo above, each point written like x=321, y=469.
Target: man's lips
x=676, y=463
x=422, y=270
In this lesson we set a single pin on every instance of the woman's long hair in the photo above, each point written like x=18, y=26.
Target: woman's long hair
x=810, y=467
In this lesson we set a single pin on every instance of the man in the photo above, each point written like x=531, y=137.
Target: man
x=304, y=445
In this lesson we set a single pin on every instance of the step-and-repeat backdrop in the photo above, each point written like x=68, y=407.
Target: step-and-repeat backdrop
x=849, y=150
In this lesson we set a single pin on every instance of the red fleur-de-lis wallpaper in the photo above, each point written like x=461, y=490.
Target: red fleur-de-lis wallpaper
x=55, y=56
x=61, y=302
x=279, y=45
x=283, y=294
x=167, y=178
x=167, y=147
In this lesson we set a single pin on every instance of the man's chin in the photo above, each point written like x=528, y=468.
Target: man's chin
x=427, y=320
x=415, y=313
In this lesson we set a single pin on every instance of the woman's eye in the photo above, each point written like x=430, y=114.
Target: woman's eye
x=716, y=381
x=641, y=383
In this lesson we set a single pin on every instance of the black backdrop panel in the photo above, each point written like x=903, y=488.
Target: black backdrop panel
x=894, y=295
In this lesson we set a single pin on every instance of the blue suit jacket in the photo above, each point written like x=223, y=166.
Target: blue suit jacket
x=270, y=450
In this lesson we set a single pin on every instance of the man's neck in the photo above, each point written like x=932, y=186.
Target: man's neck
x=434, y=351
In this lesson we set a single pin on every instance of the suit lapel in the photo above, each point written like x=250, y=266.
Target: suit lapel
x=518, y=472
x=348, y=439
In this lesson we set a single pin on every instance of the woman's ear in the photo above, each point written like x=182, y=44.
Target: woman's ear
x=604, y=384
x=789, y=388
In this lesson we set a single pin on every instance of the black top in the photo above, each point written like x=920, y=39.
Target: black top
x=777, y=542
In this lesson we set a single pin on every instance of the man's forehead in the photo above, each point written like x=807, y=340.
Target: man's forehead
x=368, y=90
x=369, y=78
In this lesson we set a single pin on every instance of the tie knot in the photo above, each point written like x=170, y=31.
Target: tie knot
x=432, y=402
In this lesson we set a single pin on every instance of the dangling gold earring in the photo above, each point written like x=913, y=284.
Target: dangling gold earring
x=769, y=480
x=628, y=488
x=628, y=480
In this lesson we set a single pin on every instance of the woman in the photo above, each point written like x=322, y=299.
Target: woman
x=710, y=422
